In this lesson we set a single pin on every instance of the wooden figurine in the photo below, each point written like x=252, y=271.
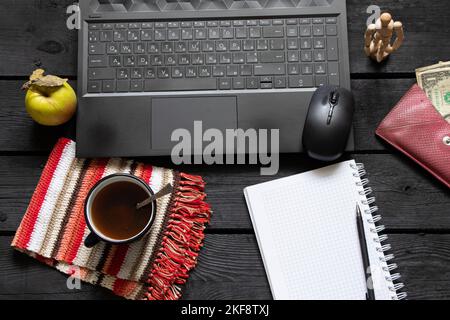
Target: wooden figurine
x=379, y=35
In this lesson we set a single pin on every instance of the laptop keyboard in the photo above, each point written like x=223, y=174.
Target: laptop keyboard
x=213, y=55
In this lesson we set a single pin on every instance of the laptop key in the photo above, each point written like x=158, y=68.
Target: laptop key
x=187, y=34
x=331, y=20
x=241, y=33
x=270, y=69
x=238, y=83
x=191, y=72
x=280, y=82
x=106, y=36
x=109, y=86
x=318, y=30
x=332, y=49
x=293, y=56
x=305, y=44
x=255, y=32
x=277, y=44
x=319, y=55
x=150, y=73
x=101, y=74
x=292, y=31
x=187, y=84
x=95, y=26
x=252, y=57
x=269, y=57
x=136, y=85
x=120, y=35
x=129, y=61
x=252, y=83
x=319, y=43
x=137, y=73
x=245, y=70
x=293, y=68
x=331, y=30
x=225, y=83
x=97, y=48
x=232, y=71
x=121, y=25
x=249, y=45
x=305, y=31
x=273, y=32
x=305, y=21
x=163, y=72
x=98, y=61
x=123, y=74
x=218, y=71
x=321, y=80
x=333, y=73
x=113, y=48
x=320, y=68
x=204, y=71
x=292, y=44
x=262, y=44
x=94, y=87
x=146, y=35
x=178, y=72
x=307, y=68
x=301, y=82
x=93, y=36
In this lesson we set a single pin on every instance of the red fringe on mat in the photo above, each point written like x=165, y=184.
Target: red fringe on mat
x=182, y=240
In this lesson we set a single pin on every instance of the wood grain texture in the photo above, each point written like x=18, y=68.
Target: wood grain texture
x=19, y=133
x=230, y=267
x=34, y=32
x=408, y=197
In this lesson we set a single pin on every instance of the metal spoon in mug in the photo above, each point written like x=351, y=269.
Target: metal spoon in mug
x=164, y=191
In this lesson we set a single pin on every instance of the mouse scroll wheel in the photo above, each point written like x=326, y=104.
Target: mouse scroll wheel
x=334, y=97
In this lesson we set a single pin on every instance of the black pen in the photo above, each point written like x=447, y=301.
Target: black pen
x=365, y=255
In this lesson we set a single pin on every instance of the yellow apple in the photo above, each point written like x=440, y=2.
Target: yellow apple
x=51, y=106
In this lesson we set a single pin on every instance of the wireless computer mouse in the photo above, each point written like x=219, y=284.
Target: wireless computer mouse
x=328, y=123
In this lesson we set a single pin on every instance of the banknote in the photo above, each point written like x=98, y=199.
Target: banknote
x=422, y=70
x=435, y=81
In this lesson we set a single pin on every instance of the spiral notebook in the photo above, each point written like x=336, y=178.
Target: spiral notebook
x=307, y=234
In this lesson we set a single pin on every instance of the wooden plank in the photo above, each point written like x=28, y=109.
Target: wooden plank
x=408, y=197
x=35, y=33
x=218, y=275
x=424, y=34
x=230, y=267
x=19, y=133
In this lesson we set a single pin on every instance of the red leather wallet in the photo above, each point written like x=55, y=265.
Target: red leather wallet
x=417, y=129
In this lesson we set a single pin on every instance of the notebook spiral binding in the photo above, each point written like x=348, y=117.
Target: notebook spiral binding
x=373, y=219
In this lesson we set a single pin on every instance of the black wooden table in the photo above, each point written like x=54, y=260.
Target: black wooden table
x=415, y=207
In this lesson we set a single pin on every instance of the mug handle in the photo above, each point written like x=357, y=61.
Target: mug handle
x=91, y=240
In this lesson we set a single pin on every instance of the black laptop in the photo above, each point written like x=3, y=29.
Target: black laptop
x=149, y=67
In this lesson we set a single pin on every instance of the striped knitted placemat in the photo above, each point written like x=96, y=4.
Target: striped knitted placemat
x=53, y=228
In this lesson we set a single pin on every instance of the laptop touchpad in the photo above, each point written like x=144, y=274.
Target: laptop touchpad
x=169, y=114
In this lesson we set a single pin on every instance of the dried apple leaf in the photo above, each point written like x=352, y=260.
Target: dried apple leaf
x=38, y=79
x=38, y=73
x=49, y=81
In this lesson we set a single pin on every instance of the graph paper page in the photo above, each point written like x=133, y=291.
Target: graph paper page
x=307, y=234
